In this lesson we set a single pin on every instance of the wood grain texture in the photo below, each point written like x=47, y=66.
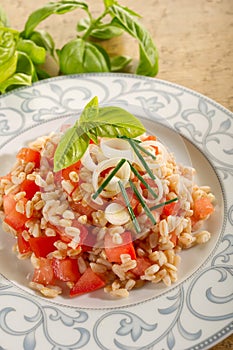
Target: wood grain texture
x=194, y=40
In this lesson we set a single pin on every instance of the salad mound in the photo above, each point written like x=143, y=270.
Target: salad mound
x=113, y=214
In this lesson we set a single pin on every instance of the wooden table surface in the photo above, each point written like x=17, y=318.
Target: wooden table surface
x=194, y=40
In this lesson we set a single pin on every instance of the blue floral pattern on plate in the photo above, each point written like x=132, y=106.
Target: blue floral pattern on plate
x=195, y=314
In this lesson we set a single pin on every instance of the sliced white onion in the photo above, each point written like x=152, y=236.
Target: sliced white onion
x=114, y=148
x=116, y=214
x=87, y=160
x=159, y=193
x=163, y=151
x=112, y=188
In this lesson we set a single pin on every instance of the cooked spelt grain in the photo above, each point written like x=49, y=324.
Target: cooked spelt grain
x=202, y=237
x=98, y=268
x=51, y=292
x=19, y=207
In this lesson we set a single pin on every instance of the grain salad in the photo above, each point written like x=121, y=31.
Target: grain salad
x=116, y=218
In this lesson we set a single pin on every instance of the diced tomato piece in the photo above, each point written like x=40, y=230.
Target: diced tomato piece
x=13, y=218
x=149, y=138
x=23, y=245
x=43, y=245
x=202, y=208
x=66, y=269
x=114, y=251
x=171, y=209
x=30, y=187
x=88, y=282
x=66, y=172
x=106, y=172
x=44, y=273
x=29, y=155
x=142, y=265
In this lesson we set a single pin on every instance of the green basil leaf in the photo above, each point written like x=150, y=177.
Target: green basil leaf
x=8, y=68
x=90, y=111
x=118, y=63
x=94, y=122
x=130, y=11
x=26, y=66
x=3, y=18
x=108, y=3
x=8, y=41
x=113, y=122
x=148, y=51
x=71, y=57
x=58, y=7
x=16, y=80
x=41, y=73
x=83, y=24
x=71, y=148
x=102, y=31
x=44, y=39
x=78, y=56
x=35, y=52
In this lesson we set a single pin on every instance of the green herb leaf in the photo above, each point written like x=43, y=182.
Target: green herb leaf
x=8, y=41
x=3, y=18
x=26, y=66
x=16, y=80
x=58, y=7
x=35, y=52
x=148, y=64
x=71, y=148
x=113, y=122
x=8, y=68
x=108, y=3
x=79, y=56
x=102, y=31
x=45, y=40
x=94, y=122
x=118, y=63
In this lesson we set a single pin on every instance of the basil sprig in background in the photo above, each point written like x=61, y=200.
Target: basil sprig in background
x=23, y=54
x=94, y=121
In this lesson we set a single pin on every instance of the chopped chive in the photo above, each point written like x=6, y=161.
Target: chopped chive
x=164, y=203
x=144, y=205
x=141, y=158
x=127, y=138
x=137, y=142
x=130, y=209
x=108, y=179
x=136, y=173
x=145, y=151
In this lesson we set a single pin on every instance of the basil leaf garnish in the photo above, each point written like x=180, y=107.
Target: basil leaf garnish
x=94, y=122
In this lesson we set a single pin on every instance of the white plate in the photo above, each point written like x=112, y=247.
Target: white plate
x=196, y=313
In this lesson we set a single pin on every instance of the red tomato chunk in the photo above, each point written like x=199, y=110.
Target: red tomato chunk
x=114, y=251
x=88, y=282
x=30, y=187
x=42, y=246
x=66, y=269
x=29, y=155
x=44, y=273
x=13, y=218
